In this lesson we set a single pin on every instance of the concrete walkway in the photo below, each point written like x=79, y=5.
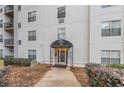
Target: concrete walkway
x=58, y=77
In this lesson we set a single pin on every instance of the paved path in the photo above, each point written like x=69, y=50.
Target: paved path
x=58, y=77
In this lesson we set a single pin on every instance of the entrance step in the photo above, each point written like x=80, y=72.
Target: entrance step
x=60, y=66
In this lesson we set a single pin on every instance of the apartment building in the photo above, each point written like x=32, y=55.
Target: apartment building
x=69, y=35
x=6, y=31
x=107, y=34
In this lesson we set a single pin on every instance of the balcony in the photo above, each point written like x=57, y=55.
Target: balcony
x=9, y=42
x=9, y=10
x=8, y=26
x=9, y=56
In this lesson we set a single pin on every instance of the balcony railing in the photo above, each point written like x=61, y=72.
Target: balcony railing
x=8, y=8
x=8, y=26
x=9, y=56
x=9, y=42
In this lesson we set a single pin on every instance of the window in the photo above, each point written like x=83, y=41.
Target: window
x=1, y=10
x=1, y=53
x=111, y=28
x=61, y=21
x=32, y=54
x=19, y=7
x=32, y=16
x=110, y=57
x=61, y=33
x=61, y=12
x=19, y=41
x=1, y=38
x=19, y=25
x=115, y=28
x=1, y=23
x=31, y=35
x=105, y=6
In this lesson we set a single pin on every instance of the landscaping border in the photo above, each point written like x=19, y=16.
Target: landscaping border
x=101, y=76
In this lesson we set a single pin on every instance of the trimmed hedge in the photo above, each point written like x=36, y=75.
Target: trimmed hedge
x=118, y=66
x=101, y=76
x=17, y=61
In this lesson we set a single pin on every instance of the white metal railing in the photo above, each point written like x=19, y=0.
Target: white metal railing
x=8, y=25
x=9, y=42
x=8, y=8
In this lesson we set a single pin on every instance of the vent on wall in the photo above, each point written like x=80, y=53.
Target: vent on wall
x=19, y=25
x=60, y=21
x=19, y=42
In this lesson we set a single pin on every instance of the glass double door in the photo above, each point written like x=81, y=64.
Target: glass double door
x=61, y=56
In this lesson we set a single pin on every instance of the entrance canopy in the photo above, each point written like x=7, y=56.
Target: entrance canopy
x=61, y=44
x=58, y=44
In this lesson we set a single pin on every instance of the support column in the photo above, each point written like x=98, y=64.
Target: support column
x=65, y=54
x=72, y=56
x=58, y=55
x=55, y=55
x=50, y=59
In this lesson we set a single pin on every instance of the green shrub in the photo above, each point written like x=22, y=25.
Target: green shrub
x=118, y=66
x=22, y=61
x=8, y=61
x=17, y=61
x=101, y=76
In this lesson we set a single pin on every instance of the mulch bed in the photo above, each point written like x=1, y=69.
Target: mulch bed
x=81, y=75
x=19, y=76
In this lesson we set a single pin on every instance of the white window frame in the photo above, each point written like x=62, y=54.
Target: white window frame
x=61, y=33
x=19, y=42
x=32, y=35
x=1, y=10
x=61, y=12
x=1, y=38
x=19, y=7
x=32, y=16
x=1, y=23
x=110, y=28
x=32, y=54
x=110, y=56
x=19, y=25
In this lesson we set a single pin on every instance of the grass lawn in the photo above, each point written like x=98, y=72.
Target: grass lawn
x=81, y=75
x=20, y=76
